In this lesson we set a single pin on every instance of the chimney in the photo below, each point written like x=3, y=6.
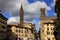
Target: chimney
x=21, y=15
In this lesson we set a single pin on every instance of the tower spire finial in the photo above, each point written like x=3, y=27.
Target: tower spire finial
x=21, y=7
x=21, y=15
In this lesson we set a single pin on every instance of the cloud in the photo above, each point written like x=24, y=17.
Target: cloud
x=13, y=20
x=13, y=6
x=10, y=6
x=37, y=25
x=31, y=11
x=53, y=3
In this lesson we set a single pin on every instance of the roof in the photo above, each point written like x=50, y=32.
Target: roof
x=1, y=16
x=49, y=17
x=49, y=23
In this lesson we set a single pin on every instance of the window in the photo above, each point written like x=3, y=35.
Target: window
x=16, y=30
x=51, y=24
x=52, y=33
x=47, y=28
x=3, y=27
x=2, y=22
x=52, y=28
x=26, y=35
x=16, y=34
x=53, y=38
x=47, y=24
x=25, y=31
x=22, y=35
x=48, y=38
x=16, y=38
x=19, y=39
x=42, y=30
x=19, y=34
x=48, y=33
x=19, y=30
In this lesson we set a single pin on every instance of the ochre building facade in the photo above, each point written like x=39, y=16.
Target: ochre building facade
x=3, y=26
x=24, y=33
x=47, y=25
x=23, y=30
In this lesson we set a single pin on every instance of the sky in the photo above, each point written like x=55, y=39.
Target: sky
x=10, y=9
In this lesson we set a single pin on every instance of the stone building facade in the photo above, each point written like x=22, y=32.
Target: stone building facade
x=24, y=33
x=57, y=10
x=3, y=26
x=23, y=30
x=47, y=25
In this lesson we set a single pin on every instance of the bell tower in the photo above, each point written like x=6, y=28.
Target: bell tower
x=43, y=12
x=21, y=15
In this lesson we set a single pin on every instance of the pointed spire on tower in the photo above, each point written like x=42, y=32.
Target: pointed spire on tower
x=21, y=15
x=21, y=7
